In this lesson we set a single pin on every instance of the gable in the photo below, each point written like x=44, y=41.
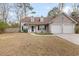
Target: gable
x=62, y=19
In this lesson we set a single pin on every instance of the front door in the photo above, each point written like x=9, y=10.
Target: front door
x=32, y=28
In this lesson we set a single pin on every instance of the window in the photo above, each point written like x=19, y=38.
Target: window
x=42, y=27
x=38, y=27
x=24, y=24
x=32, y=19
x=41, y=19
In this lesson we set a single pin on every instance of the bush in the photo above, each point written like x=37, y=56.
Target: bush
x=24, y=30
x=3, y=26
x=16, y=25
x=42, y=33
x=77, y=29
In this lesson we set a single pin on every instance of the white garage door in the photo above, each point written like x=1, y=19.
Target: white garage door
x=68, y=28
x=55, y=28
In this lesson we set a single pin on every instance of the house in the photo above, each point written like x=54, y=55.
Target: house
x=62, y=23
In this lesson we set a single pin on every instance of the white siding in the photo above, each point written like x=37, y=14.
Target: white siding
x=29, y=29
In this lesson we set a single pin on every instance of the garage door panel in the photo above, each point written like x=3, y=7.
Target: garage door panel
x=56, y=29
x=68, y=28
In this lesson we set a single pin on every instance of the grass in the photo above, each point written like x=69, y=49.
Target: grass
x=25, y=44
x=44, y=33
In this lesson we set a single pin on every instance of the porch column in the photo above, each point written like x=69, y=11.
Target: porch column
x=47, y=28
x=29, y=28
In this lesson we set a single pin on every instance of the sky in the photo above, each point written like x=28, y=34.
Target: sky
x=42, y=9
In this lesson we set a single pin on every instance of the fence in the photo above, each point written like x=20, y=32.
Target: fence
x=12, y=30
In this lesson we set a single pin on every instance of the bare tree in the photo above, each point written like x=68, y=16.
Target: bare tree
x=61, y=6
x=22, y=10
x=4, y=9
x=74, y=6
x=54, y=12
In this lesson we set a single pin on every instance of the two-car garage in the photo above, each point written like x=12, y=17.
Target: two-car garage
x=55, y=28
x=62, y=24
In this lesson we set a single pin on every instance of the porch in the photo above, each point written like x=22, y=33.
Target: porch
x=38, y=28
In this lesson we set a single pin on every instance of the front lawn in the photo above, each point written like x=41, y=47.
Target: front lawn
x=27, y=44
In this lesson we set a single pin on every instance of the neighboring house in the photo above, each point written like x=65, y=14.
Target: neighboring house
x=60, y=24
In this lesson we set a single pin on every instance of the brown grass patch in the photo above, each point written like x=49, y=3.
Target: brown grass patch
x=26, y=44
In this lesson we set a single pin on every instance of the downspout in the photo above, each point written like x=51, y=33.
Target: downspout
x=20, y=28
x=62, y=24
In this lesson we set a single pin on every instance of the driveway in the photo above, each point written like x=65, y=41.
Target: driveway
x=74, y=38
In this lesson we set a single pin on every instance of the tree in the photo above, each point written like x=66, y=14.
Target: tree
x=27, y=7
x=61, y=6
x=54, y=12
x=75, y=7
x=74, y=15
x=22, y=10
x=33, y=12
x=4, y=9
x=3, y=26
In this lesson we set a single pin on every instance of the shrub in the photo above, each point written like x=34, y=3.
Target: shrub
x=16, y=25
x=24, y=30
x=3, y=26
x=42, y=33
x=77, y=29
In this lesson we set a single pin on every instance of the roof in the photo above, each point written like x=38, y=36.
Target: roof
x=70, y=17
x=46, y=20
x=36, y=20
x=65, y=16
x=77, y=19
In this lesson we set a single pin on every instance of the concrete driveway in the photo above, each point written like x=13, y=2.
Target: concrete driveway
x=74, y=38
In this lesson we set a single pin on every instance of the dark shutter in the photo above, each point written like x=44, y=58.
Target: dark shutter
x=45, y=27
x=38, y=27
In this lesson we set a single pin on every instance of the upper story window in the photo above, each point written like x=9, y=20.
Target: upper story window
x=39, y=20
x=24, y=24
x=32, y=19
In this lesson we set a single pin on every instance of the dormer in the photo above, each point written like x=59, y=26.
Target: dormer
x=32, y=19
x=41, y=19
